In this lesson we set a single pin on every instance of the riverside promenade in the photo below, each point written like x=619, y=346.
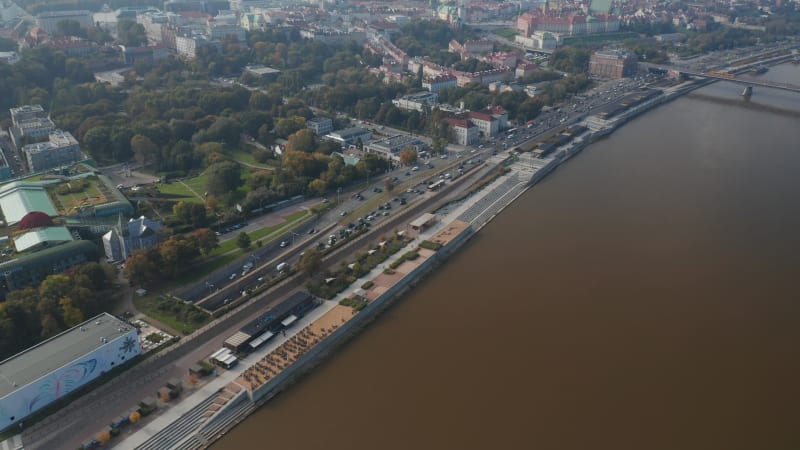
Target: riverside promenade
x=188, y=424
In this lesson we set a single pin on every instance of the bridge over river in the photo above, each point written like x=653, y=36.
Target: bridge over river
x=725, y=76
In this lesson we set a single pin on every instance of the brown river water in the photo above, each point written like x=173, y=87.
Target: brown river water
x=643, y=296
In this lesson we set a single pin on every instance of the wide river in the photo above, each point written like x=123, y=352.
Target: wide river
x=646, y=295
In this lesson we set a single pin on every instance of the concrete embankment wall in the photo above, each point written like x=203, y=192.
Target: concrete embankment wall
x=275, y=385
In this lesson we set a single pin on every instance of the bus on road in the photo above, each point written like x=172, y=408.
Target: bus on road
x=436, y=185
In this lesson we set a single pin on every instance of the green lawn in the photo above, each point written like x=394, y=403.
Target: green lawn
x=187, y=320
x=68, y=203
x=507, y=33
x=179, y=192
x=247, y=157
x=197, y=183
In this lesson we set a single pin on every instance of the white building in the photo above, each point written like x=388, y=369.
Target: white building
x=436, y=84
x=52, y=369
x=222, y=30
x=153, y=23
x=119, y=244
x=320, y=125
x=30, y=121
x=487, y=125
x=252, y=21
x=48, y=21
x=60, y=150
x=9, y=57
x=462, y=131
x=187, y=46
x=391, y=147
x=417, y=101
x=539, y=40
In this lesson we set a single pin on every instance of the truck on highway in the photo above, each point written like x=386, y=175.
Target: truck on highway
x=282, y=267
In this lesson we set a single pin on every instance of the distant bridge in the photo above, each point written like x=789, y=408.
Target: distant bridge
x=725, y=76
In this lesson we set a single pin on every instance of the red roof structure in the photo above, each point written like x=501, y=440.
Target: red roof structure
x=35, y=219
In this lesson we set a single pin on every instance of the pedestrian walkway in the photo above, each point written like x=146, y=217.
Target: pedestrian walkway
x=12, y=443
x=169, y=423
x=182, y=425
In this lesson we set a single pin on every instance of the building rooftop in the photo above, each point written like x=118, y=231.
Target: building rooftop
x=613, y=53
x=77, y=12
x=40, y=236
x=261, y=70
x=396, y=142
x=351, y=132
x=421, y=96
x=319, y=120
x=259, y=325
x=61, y=349
x=19, y=198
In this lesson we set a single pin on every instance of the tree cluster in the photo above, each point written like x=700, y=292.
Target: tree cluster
x=573, y=60
x=61, y=301
x=169, y=258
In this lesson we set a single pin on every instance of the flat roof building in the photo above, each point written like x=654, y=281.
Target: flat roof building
x=391, y=147
x=280, y=316
x=19, y=198
x=349, y=136
x=418, y=101
x=41, y=237
x=36, y=377
x=30, y=121
x=262, y=71
x=423, y=221
x=320, y=125
x=61, y=149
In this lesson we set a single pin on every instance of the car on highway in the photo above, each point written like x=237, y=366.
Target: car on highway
x=232, y=277
x=343, y=213
x=312, y=231
x=284, y=244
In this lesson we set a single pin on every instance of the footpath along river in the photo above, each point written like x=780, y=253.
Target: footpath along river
x=643, y=296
